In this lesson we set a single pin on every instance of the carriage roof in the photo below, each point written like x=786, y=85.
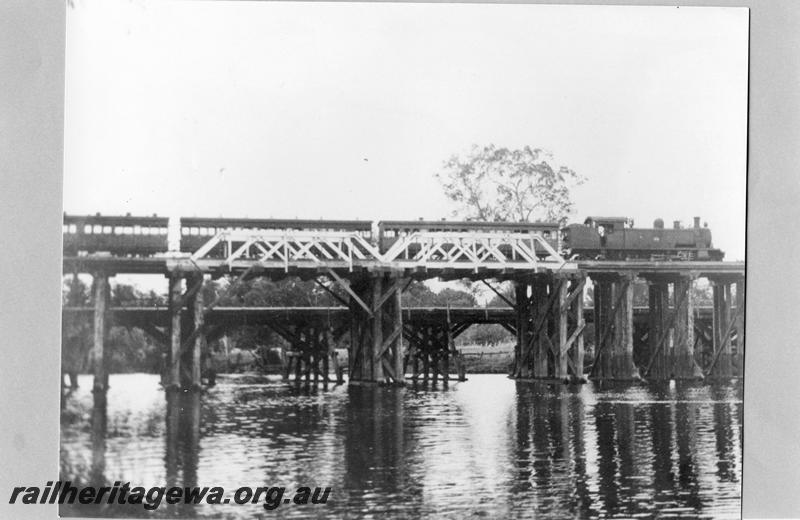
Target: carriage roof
x=116, y=220
x=356, y=225
x=468, y=224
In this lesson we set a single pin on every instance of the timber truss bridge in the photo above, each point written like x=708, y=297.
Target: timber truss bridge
x=669, y=339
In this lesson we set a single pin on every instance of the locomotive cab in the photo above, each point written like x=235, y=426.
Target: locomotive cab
x=609, y=231
x=608, y=224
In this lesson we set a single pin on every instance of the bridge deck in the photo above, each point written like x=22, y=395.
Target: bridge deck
x=166, y=265
x=663, y=268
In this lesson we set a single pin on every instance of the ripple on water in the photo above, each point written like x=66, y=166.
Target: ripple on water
x=489, y=447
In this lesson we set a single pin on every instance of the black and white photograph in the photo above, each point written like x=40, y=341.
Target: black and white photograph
x=402, y=260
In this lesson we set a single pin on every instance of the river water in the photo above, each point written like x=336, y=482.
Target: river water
x=488, y=447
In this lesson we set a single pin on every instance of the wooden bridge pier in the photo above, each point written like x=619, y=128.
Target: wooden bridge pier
x=613, y=327
x=312, y=352
x=187, y=336
x=100, y=295
x=376, y=333
x=670, y=349
x=549, y=327
x=739, y=328
x=432, y=348
x=725, y=351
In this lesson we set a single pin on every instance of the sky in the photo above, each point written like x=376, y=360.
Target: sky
x=347, y=110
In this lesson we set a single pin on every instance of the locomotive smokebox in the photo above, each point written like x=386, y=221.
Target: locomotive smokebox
x=658, y=223
x=676, y=224
x=697, y=222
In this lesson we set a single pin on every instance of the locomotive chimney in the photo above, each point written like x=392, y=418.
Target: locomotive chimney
x=658, y=223
x=697, y=222
x=676, y=224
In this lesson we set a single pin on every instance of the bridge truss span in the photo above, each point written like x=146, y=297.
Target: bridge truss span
x=471, y=250
x=288, y=247
x=458, y=251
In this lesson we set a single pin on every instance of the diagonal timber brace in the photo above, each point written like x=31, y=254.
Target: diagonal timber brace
x=613, y=328
x=549, y=328
x=346, y=286
x=377, y=330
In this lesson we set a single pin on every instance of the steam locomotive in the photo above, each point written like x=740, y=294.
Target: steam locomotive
x=598, y=238
x=615, y=238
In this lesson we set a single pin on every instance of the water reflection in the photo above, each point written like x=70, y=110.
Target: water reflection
x=376, y=450
x=99, y=425
x=488, y=447
x=182, y=445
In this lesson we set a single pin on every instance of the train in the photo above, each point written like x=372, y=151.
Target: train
x=598, y=238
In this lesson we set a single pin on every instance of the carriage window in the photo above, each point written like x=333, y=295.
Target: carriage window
x=127, y=230
x=194, y=230
x=73, y=228
x=162, y=231
x=145, y=231
x=546, y=234
x=97, y=229
x=107, y=230
x=185, y=231
x=137, y=230
x=65, y=228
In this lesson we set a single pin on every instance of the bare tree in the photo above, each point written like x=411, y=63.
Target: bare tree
x=499, y=184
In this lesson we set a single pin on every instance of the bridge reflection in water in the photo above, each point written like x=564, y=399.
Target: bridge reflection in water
x=489, y=447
